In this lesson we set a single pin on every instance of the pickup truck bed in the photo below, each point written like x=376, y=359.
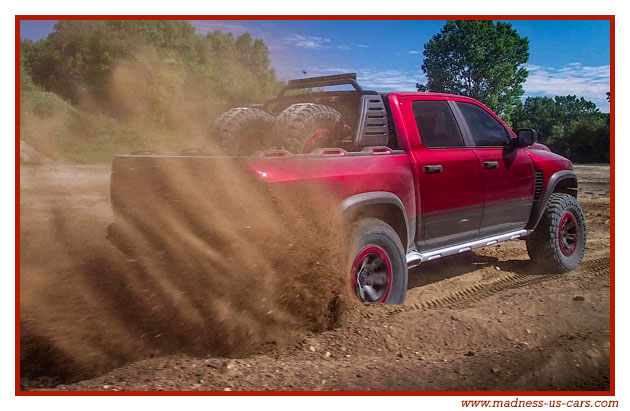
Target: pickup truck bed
x=342, y=175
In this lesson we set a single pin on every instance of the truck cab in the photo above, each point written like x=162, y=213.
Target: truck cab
x=472, y=177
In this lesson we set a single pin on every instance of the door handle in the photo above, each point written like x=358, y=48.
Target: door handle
x=433, y=168
x=490, y=164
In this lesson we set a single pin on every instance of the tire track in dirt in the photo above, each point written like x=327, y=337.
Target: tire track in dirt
x=511, y=281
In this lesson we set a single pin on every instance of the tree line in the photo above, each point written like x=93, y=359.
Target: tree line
x=93, y=89
x=78, y=58
x=569, y=125
x=486, y=60
x=164, y=74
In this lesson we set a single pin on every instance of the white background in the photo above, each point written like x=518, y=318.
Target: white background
x=313, y=7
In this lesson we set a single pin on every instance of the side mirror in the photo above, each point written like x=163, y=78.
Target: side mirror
x=526, y=137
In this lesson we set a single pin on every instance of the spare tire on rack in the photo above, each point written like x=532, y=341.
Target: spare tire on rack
x=303, y=127
x=243, y=130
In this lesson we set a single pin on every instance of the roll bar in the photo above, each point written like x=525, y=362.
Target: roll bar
x=323, y=81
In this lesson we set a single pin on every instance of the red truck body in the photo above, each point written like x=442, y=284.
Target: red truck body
x=439, y=200
x=494, y=200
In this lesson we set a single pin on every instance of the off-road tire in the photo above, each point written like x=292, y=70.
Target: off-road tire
x=545, y=246
x=243, y=130
x=374, y=234
x=303, y=127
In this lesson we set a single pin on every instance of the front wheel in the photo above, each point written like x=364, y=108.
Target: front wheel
x=559, y=241
x=379, y=268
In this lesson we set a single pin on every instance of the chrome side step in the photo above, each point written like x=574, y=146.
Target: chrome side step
x=415, y=258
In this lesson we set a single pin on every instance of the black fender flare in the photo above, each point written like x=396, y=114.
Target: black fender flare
x=352, y=205
x=567, y=180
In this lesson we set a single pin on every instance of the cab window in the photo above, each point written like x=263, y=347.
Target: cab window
x=436, y=124
x=485, y=129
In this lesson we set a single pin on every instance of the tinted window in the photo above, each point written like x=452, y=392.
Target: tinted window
x=436, y=124
x=485, y=129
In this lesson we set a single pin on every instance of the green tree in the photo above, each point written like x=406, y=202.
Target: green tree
x=571, y=108
x=569, y=125
x=26, y=82
x=545, y=113
x=78, y=57
x=586, y=139
x=480, y=59
x=540, y=113
x=127, y=85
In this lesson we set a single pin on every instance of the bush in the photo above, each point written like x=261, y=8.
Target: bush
x=586, y=140
x=570, y=126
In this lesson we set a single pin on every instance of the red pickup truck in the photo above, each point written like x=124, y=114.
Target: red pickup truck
x=420, y=175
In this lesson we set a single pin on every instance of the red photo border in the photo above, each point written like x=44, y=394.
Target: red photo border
x=610, y=18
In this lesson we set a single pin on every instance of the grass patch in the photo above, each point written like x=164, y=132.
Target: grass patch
x=65, y=133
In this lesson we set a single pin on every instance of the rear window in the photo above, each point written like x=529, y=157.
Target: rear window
x=436, y=124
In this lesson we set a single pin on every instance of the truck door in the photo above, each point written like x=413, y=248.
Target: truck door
x=447, y=173
x=508, y=172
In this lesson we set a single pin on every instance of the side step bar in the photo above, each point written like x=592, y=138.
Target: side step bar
x=415, y=258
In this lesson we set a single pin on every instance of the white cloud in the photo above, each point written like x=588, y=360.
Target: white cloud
x=316, y=42
x=380, y=80
x=390, y=80
x=208, y=26
x=308, y=42
x=413, y=52
x=348, y=47
x=590, y=82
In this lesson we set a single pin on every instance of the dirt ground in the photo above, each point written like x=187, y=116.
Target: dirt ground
x=486, y=320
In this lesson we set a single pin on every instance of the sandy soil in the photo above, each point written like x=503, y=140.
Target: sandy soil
x=486, y=320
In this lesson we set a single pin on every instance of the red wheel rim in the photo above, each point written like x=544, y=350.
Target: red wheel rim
x=317, y=139
x=568, y=235
x=372, y=275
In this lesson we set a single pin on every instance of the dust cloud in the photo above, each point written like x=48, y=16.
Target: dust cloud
x=205, y=257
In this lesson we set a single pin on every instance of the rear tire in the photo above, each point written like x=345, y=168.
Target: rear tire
x=303, y=127
x=243, y=130
x=559, y=241
x=378, y=265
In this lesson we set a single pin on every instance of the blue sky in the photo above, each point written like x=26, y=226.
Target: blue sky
x=566, y=57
